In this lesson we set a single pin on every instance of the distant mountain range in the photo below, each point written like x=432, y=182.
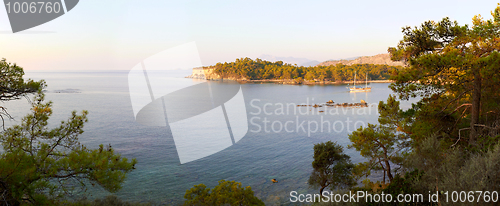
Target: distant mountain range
x=377, y=59
x=350, y=58
x=290, y=60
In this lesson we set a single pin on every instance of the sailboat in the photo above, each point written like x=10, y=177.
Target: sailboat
x=360, y=89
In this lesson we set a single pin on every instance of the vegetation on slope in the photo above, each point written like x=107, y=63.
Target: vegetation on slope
x=248, y=69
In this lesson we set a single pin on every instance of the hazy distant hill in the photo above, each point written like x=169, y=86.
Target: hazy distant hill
x=350, y=58
x=377, y=59
x=290, y=60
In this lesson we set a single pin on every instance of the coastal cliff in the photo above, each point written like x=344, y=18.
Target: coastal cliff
x=204, y=73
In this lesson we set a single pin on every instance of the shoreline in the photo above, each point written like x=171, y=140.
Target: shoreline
x=293, y=82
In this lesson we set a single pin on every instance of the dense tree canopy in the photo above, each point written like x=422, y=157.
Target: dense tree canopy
x=455, y=68
x=226, y=193
x=39, y=165
x=331, y=167
x=383, y=144
x=454, y=72
x=246, y=68
x=13, y=86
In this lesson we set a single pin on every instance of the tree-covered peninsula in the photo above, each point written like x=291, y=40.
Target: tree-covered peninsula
x=248, y=69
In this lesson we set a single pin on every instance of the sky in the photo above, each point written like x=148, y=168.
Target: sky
x=118, y=34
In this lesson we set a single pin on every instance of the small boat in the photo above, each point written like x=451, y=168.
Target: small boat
x=360, y=89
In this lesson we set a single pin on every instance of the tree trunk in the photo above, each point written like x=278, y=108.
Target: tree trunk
x=383, y=180
x=388, y=169
x=383, y=168
x=321, y=190
x=476, y=106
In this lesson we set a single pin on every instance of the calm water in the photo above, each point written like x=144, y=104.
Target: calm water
x=256, y=159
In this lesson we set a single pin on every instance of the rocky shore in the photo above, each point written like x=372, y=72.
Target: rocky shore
x=305, y=82
x=332, y=104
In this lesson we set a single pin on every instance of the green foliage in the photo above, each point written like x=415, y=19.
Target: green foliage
x=331, y=167
x=226, y=193
x=383, y=144
x=198, y=195
x=484, y=144
x=107, y=201
x=12, y=84
x=299, y=80
x=454, y=169
x=399, y=185
x=392, y=117
x=455, y=70
x=40, y=165
x=246, y=68
x=377, y=144
x=403, y=185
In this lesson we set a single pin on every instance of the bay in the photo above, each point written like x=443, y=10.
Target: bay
x=267, y=151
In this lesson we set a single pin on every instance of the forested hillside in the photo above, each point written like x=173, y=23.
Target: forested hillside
x=248, y=69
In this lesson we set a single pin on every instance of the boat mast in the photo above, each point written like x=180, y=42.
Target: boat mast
x=354, y=79
x=366, y=81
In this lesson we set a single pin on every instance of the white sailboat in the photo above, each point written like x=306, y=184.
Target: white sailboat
x=360, y=89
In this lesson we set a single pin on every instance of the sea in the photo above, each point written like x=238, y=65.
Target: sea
x=278, y=144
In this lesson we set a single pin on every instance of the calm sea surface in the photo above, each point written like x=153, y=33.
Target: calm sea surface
x=267, y=151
